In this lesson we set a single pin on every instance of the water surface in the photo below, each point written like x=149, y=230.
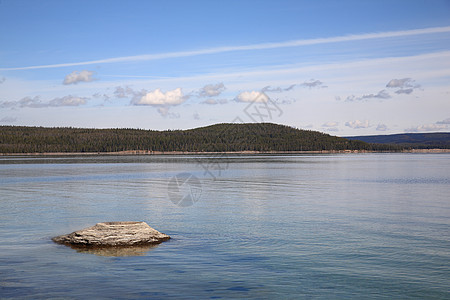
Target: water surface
x=300, y=226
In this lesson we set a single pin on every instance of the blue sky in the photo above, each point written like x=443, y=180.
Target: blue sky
x=341, y=67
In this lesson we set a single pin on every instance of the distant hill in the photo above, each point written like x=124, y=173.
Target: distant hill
x=410, y=140
x=214, y=138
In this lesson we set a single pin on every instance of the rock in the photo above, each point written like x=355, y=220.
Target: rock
x=113, y=234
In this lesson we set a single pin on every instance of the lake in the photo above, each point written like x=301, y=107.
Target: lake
x=242, y=226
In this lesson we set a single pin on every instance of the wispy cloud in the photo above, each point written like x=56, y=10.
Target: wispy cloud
x=123, y=92
x=330, y=124
x=76, y=77
x=36, y=102
x=383, y=94
x=404, y=91
x=404, y=85
x=262, y=46
x=212, y=90
x=382, y=127
x=214, y=101
x=313, y=83
x=427, y=127
x=357, y=124
x=446, y=121
x=278, y=89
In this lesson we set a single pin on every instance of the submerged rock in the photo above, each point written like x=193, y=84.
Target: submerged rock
x=113, y=234
x=116, y=251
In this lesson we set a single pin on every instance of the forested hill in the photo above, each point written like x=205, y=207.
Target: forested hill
x=410, y=140
x=214, y=138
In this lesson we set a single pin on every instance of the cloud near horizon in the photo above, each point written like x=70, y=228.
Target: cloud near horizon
x=75, y=77
x=357, y=124
x=382, y=127
x=36, y=102
x=427, y=127
x=330, y=124
x=446, y=121
x=8, y=120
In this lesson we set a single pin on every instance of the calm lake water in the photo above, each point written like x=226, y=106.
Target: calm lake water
x=303, y=226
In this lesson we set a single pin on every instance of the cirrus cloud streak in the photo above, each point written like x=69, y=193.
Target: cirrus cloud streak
x=262, y=46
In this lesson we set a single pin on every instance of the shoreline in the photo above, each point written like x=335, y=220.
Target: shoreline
x=145, y=152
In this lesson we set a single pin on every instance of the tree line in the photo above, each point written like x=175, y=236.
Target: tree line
x=214, y=138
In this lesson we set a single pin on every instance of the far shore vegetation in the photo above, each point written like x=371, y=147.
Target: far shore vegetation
x=256, y=137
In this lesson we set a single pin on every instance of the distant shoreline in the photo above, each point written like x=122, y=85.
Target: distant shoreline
x=145, y=152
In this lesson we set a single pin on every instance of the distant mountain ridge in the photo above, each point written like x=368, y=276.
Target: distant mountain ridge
x=411, y=140
x=227, y=137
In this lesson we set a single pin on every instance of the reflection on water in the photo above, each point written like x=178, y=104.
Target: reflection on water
x=115, y=251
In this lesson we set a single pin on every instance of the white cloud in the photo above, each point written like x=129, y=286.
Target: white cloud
x=3, y=79
x=382, y=127
x=253, y=96
x=75, y=77
x=427, y=127
x=212, y=90
x=446, y=121
x=357, y=124
x=159, y=98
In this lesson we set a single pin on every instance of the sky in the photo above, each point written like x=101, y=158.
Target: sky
x=341, y=67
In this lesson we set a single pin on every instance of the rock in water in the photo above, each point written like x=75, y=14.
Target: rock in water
x=113, y=234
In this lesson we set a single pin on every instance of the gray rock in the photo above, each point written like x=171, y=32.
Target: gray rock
x=113, y=234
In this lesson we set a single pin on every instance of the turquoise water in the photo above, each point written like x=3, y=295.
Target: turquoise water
x=304, y=226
